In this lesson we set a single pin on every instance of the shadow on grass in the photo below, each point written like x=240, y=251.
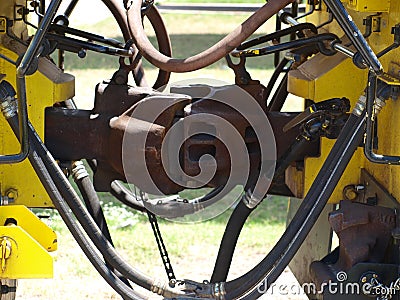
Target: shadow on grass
x=183, y=45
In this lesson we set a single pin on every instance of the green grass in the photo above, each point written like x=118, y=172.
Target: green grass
x=136, y=242
x=189, y=34
x=192, y=247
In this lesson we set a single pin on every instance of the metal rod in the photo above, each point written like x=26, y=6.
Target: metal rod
x=343, y=49
x=8, y=59
x=370, y=132
x=70, y=8
x=290, y=20
x=22, y=69
x=354, y=34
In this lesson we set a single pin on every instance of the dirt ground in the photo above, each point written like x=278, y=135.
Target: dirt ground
x=69, y=283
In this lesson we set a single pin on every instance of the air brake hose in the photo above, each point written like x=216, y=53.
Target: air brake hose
x=67, y=217
x=67, y=193
x=92, y=202
x=228, y=242
x=239, y=217
x=92, y=230
x=208, y=56
x=310, y=209
x=160, y=31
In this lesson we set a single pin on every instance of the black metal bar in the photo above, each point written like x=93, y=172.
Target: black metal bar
x=276, y=35
x=370, y=132
x=278, y=26
x=70, y=8
x=86, y=35
x=354, y=34
x=285, y=46
x=75, y=45
x=29, y=56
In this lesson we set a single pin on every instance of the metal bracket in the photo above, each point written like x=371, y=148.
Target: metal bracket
x=374, y=191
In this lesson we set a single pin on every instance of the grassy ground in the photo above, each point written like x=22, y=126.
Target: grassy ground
x=192, y=247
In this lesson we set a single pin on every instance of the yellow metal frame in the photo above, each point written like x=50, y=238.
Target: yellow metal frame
x=369, y=5
x=44, y=88
x=322, y=78
x=29, y=242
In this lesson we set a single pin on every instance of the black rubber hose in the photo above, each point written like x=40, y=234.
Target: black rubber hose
x=92, y=202
x=279, y=98
x=120, y=192
x=90, y=227
x=271, y=83
x=289, y=156
x=125, y=197
x=228, y=242
x=307, y=214
x=238, y=219
x=93, y=206
x=58, y=201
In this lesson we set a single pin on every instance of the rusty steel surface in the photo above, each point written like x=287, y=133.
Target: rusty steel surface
x=364, y=233
x=207, y=57
x=99, y=134
x=163, y=41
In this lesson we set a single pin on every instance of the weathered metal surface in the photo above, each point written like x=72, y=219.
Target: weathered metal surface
x=364, y=232
x=99, y=134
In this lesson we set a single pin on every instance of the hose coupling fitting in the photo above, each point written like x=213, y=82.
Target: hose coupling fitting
x=8, y=103
x=380, y=103
x=250, y=200
x=79, y=170
x=360, y=106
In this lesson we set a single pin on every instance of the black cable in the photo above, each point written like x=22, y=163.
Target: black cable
x=73, y=201
x=279, y=98
x=125, y=197
x=228, y=242
x=308, y=212
x=59, y=203
x=92, y=202
x=239, y=217
x=271, y=83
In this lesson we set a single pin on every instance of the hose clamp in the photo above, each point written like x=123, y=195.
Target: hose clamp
x=79, y=171
x=9, y=107
x=219, y=291
x=250, y=200
x=360, y=106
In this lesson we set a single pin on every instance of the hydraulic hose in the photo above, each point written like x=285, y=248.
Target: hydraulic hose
x=123, y=195
x=89, y=195
x=207, y=57
x=271, y=83
x=280, y=96
x=239, y=217
x=324, y=184
x=90, y=227
x=58, y=201
x=68, y=194
x=92, y=202
x=160, y=31
x=228, y=242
